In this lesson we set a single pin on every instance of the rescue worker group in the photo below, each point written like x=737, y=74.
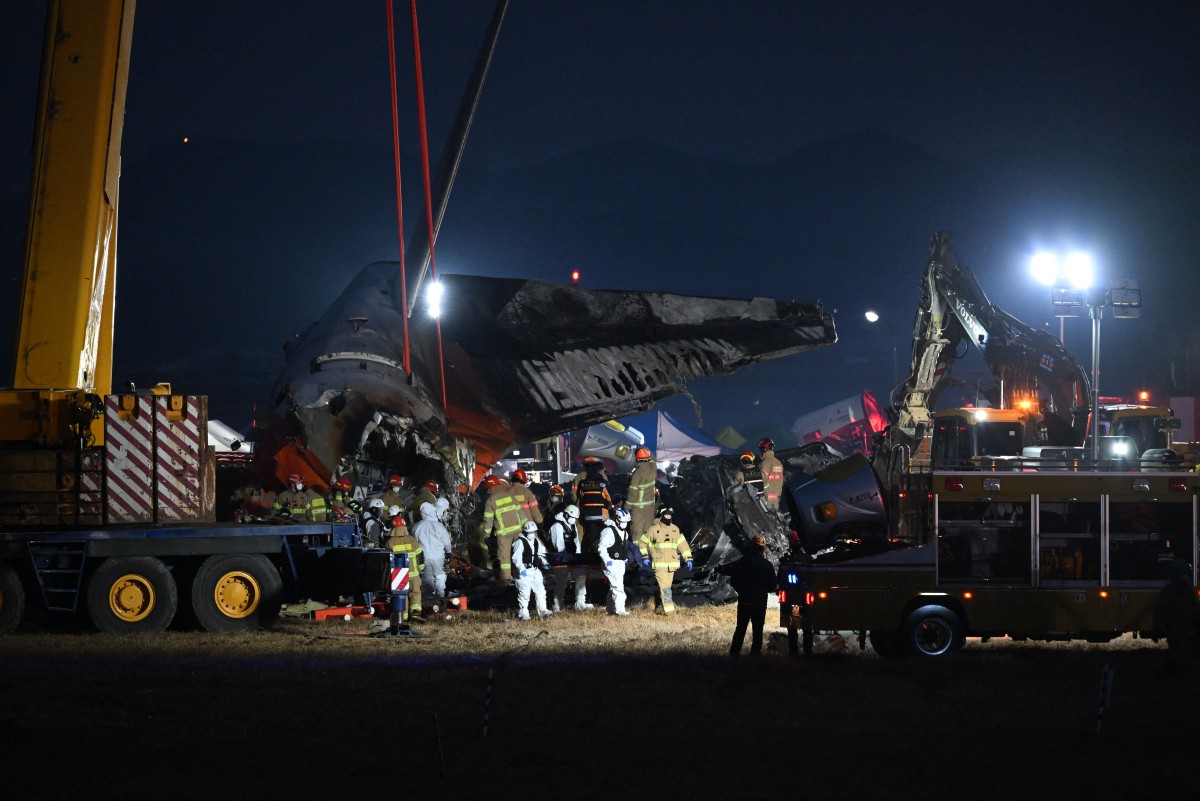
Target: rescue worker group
x=582, y=530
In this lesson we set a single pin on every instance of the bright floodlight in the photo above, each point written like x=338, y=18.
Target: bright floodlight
x=433, y=298
x=1044, y=267
x=1077, y=268
x=872, y=317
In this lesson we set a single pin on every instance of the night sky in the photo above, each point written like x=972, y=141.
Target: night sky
x=785, y=149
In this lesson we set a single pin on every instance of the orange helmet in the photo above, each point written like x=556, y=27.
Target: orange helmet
x=395, y=480
x=519, y=475
x=343, y=484
x=557, y=491
x=491, y=481
x=591, y=460
x=747, y=456
x=765, y=444
x=642, y=455
x=430, y=485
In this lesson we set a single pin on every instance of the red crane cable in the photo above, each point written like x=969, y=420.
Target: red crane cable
x=399, y=195
x=428, y=191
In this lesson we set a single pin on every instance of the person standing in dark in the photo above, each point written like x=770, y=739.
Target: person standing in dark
x=1176, y=616
x=753, y=578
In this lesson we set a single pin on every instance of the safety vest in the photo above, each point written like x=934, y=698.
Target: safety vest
x=503, y=514
x=529, y=552
x=617, y=549
x=664, y=543
x=753, y=478
x=772, y=470
x=594, y=501
x=570, y=535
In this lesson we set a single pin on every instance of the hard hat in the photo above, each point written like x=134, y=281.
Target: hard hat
x=394, y=510
x=557, y=490
x=295, y=478
x=760, y=541
x=376, y=503
x=666, y=512
x=343, y=484
x=395, y=480
x=430, y=485
x=530, y=527
x=491, y=481
x=765, y=444
x=643, y=455
x=747, y=456
x=571, y=511
x=591, y=460
x=623, y=516
x=519, y=475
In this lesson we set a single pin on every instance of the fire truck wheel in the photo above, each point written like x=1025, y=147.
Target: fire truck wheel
x=130, y=594
x=12, y=599
x=932, y=631
x=237, y=592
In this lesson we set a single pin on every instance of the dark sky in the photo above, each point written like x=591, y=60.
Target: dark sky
x=988, y=100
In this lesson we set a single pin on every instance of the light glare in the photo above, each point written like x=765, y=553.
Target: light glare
x=1077, y=268
x=872, y=317
x=433, y=298
x=1043, y=266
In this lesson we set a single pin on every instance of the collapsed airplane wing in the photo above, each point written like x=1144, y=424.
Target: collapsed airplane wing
x=521, y=359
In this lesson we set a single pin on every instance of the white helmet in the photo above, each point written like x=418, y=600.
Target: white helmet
x=530, y=527
x=623, y=518
x=376, y=503
x=393, y=511
x=571, y=512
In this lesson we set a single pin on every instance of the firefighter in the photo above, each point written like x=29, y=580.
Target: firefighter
x=431, y=533
x=502, y=519
x=557, y=501
x=613, y=552
x=750, y=475
x=399, y=540
x=529, y=556
x=594, y=502
x=641, y=493
x=772, y=473
x=567, y=558
x=342, y=503
x=299, y=503
x=373, y=519
x=753, y=578
x=661, y=547
x=521, y=492
x=427, y=495
x=395, y=494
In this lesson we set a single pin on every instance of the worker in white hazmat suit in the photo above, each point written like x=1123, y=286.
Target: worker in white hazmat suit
x=528, y=560
x=566, y=545
x=612, y=556
x=431, y=532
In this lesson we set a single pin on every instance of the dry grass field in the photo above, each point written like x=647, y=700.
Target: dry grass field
x=580, y=705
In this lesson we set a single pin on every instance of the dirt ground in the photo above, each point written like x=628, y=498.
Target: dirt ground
x=585, y=706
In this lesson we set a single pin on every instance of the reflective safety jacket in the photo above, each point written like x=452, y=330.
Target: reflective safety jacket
x=400, y=541
x=503, y=513
x=302, y=505
x=641, y=487
x=772, y=473
x=664, y=544
x=528, y=502
x=591, y=494
x=344, y=505
x=753, y=478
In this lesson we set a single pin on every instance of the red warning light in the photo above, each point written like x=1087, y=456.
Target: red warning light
x=575, y=276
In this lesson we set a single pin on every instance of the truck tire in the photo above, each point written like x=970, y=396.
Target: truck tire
x=237, y=592
x=12, y=599
x=932, y=630
x=130, y=594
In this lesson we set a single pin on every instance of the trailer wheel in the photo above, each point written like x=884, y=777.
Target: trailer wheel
x=932, y=631
x=132, y=594
x=12, y=599
x=237, y=592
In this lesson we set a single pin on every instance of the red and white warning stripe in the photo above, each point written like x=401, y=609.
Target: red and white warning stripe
x=177, y=459
x=128, y=461
x=399, y=579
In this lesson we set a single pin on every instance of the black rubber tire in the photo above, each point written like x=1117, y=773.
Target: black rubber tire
x=132, y=594
x=12, y=599
x=885, y=643
x=932, y=631
x=237, y=592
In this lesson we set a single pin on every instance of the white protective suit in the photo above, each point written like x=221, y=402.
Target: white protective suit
x=528, y=560
x=435, y=542
x=612, y=556
x=566, y=542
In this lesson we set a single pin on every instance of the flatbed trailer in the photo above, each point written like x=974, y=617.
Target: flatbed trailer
x=1051, y=555
x=229, y=576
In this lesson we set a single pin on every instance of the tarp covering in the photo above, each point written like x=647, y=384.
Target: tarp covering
x=670, y=440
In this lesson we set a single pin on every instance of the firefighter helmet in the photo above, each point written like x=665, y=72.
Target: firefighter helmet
x=571, y=512
x=430, y=485
x=766, y=444
x=343, y=484
x=623, y=517
x=376, y=503
x=491, y=481
x=395, y=480
x=666, y=513
x=760, y=541
x=557, y=491
x=643, y=455
x=394, y=511
x=747, y=456
x=519, y=475
x=530, y=527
